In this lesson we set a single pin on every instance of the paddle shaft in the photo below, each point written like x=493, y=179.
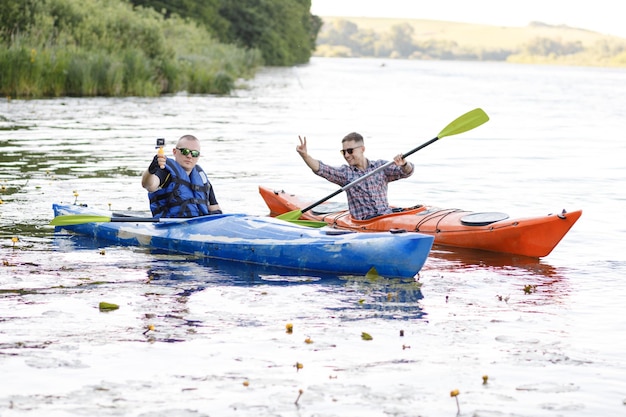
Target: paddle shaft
x=127, y=219
x=75, y=219
x=369, y=174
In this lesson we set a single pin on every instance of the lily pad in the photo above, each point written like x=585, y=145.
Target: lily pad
x=104, y=306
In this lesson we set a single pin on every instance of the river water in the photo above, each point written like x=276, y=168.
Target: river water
x=547, y=335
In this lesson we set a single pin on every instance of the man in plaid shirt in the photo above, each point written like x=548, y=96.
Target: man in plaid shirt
x=368, y=198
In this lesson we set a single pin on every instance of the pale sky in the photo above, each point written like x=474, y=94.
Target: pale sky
x=601, y=16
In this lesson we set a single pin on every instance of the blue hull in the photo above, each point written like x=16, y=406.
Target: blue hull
x=266, y=241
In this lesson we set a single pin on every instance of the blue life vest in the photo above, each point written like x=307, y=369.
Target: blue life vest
x=184, y=195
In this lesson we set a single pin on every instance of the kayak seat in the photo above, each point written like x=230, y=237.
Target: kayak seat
x=483, y=219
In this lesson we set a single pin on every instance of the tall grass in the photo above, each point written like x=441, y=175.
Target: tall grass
x=105, y=48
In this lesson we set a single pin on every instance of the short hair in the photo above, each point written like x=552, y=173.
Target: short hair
x=353, y=137
x=188, y=137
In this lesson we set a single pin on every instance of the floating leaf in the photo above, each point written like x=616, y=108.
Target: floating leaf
x=372, y=273
x=104, y=306
x=528, y=289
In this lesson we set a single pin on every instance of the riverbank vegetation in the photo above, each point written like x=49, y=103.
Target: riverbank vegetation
x=52, y=48
x=536, y=43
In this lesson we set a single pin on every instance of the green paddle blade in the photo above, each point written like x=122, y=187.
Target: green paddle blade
x=309, y=223
x=70, y=219
x=73, y=219
x=294, y=217
x=290, y=215
x=468, y=121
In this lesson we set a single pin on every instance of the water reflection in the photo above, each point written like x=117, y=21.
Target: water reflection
x=461, y=259
x=176, y=269
x=67, y=161
x=356, y=297
x=522, y=281
x=396, y=299
x=50, y=285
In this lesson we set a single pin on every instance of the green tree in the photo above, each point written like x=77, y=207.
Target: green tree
x=547, y=47
x=284, y=30
x=16, y=17
x=110, y=48
x=365, y=41
x=360, y=42
x=205, y=12
x=401, y=39
x=340, y=32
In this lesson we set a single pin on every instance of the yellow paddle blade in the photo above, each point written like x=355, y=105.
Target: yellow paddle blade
x=294, y=217
x=468, y=121
x=309, y=223
x=372, y=273
x=70, y=219
x=290, y=215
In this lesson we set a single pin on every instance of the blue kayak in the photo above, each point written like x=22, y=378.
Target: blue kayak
x=260, y=240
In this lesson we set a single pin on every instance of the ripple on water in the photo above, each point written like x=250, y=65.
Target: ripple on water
x=548, y=333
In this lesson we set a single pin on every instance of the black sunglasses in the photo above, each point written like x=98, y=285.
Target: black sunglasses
x=186, y=152
x=349, y=150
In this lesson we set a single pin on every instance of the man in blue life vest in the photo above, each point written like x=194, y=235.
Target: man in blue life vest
x=179, y=187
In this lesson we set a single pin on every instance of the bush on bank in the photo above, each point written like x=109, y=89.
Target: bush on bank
x=52, y=48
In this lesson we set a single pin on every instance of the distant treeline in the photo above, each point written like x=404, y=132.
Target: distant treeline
x=344, y=38
x=51, y=48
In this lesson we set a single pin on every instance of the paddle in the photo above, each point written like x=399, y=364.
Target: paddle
x=71, y=219
x=468, y=121
x=74, y=219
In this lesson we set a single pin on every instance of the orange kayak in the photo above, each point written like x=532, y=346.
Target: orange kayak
x=533, y=236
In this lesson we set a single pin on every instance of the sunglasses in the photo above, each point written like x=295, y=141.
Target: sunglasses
x=349, y=150
x=186, y=152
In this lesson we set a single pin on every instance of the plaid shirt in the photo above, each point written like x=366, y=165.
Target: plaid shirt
x=368, y=198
